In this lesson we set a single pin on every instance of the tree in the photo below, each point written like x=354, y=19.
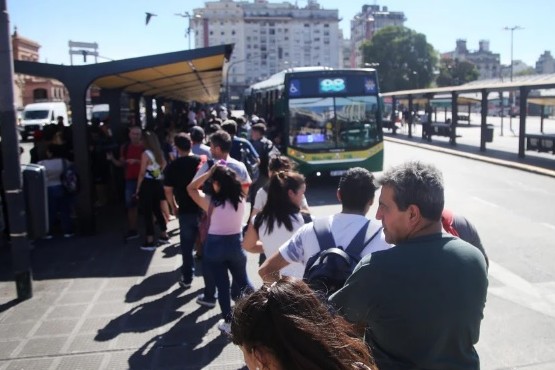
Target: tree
x=456, y=72
x=406, y=60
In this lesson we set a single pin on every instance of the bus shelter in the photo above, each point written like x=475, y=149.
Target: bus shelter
x=183, y=76
x=524, y=85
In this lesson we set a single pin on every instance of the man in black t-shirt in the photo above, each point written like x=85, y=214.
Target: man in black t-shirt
x=177, y=176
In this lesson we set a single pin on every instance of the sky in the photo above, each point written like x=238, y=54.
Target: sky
x=118, y=26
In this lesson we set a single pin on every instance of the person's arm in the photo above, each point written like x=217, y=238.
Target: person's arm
x=251, y=242
x=195, y=192
x=142, y=171
x=168, y=192
x=269, y=271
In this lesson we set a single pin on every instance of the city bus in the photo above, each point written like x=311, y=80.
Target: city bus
x=326, y=120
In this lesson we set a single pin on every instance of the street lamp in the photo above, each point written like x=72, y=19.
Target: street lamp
x=512, y=29
x=189, y=16
x=227, y=73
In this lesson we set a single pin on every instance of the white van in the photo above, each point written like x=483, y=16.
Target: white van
x=100, y=112
x=37, y=115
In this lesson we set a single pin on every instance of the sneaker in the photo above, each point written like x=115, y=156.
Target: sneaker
x=224, y=327
x=163, y=239
x=149, y=247
x=131, y=235
x=48, y=236
x=205, y=302
x=183, y=284
x=69, y=235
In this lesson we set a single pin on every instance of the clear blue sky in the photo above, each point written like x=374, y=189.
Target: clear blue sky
x=118, y=26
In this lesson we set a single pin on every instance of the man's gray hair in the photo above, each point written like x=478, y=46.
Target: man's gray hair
x=416, y=183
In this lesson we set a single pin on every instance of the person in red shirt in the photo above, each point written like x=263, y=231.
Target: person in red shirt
x=130, y=159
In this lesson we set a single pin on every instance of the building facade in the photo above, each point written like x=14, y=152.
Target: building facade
x=545, y=63
x=268, y=38
x=31, y=89
x=488, y=63
x=366, y=23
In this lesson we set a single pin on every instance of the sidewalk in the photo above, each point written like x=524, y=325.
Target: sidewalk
x=502, y=151
x=99, y=303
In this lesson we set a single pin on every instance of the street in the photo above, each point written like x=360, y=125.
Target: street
x=513, y=212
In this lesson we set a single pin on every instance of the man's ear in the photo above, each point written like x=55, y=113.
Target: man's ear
x=338, y=193
x=414, y=214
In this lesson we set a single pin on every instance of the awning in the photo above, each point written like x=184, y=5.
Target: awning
x=195, y=78
x=544, y=100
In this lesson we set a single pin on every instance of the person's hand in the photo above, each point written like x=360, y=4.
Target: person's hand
x=109, y=156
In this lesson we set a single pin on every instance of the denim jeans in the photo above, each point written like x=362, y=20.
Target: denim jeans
x=59, y=203
x=223, y=254
x=188, y=231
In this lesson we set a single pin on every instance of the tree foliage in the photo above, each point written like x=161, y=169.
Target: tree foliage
x=456, y=72
x=406, y=60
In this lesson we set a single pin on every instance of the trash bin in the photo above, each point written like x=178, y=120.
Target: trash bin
x=36, y=200
x=489, y=133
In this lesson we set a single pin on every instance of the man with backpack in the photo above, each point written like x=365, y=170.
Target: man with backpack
x=316, y=244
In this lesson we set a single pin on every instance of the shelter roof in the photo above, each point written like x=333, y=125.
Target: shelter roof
x=533, y=82
x=190, y=75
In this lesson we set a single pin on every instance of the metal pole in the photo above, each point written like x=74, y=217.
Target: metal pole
x=13, y=186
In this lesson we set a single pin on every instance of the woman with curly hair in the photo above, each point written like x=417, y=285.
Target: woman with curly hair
x=279, y=219
x=287, y=326
x=222, y=250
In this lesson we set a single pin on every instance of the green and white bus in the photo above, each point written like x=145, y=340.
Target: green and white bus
x=328, y=120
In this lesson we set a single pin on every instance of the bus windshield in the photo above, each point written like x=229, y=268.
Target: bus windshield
x=320, y=124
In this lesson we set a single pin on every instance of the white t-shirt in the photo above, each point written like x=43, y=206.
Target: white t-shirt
x=344, y=227
x=271, y=242
x=235, y=165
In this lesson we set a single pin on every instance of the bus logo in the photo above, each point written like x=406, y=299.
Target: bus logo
x=294, y=88
x=369, y=85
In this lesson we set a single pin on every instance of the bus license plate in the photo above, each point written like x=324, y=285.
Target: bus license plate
x=338, y=173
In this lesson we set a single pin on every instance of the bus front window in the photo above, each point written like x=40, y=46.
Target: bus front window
x=333, y=123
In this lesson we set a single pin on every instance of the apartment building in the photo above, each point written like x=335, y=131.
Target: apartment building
x=488, y=63
x=268, y=37
x=366, y=23
x=545, y=63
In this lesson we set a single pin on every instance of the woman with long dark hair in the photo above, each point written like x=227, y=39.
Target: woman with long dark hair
x=279, y=219
x=285, y=325
x=150, y=189
x=222, y=252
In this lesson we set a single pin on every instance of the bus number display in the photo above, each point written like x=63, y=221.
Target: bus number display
x=332, y=85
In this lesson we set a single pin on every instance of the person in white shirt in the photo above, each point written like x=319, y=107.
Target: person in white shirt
x=356, y=194
x=279, y=219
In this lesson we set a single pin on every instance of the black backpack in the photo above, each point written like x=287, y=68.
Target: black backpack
x=327, y=271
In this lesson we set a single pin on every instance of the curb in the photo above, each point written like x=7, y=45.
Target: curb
x=476, y=157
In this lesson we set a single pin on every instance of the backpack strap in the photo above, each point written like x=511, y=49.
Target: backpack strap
x=357, y=244
x=354, y=250
x=323, y=233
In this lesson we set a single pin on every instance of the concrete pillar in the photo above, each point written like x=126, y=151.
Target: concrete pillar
x=522, y=132
x=483, y=121
x=454, y=114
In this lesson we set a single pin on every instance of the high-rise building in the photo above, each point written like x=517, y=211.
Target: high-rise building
x=366, y=23
x=545, y=63
x=268, y=37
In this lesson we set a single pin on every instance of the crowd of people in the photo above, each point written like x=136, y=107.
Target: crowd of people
x=415, y=299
